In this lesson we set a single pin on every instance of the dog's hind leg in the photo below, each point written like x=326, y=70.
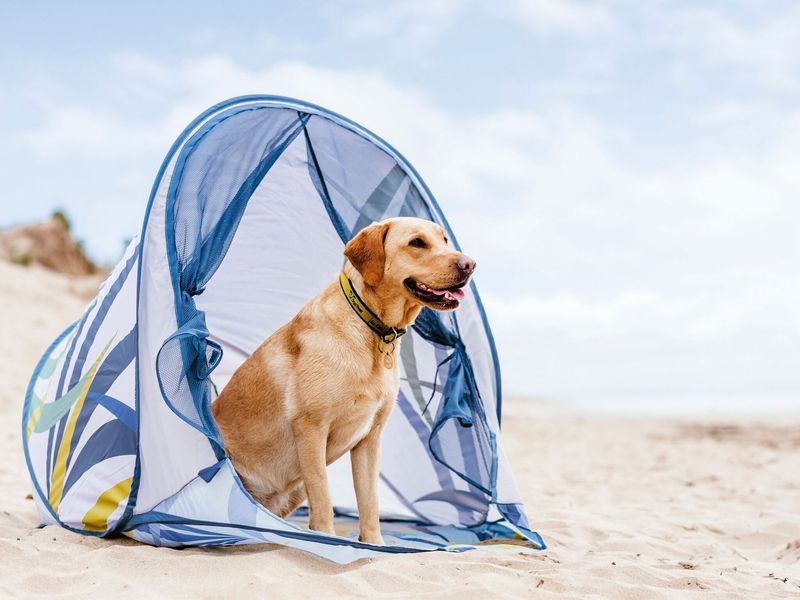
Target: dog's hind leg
x=295, y=499
x=283, y=504
x=272, y=502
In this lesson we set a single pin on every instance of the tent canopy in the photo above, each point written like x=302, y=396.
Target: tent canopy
x=247, y=219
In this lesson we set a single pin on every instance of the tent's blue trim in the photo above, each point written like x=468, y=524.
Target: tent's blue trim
x=514, y=514
x=321, y=538
x=154, y=516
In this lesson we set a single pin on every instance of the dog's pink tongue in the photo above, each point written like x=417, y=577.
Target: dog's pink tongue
x=455, y=294
x=425, y=288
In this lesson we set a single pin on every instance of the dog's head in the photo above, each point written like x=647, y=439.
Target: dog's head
x=412, y=257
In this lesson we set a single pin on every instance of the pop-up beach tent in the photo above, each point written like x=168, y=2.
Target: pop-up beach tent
x=247, y=220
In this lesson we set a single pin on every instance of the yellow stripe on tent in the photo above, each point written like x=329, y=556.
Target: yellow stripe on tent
x=35, y=414
x=96, y=519
x=60, y=467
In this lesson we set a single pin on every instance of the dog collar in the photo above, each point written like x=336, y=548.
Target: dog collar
x=386, y=334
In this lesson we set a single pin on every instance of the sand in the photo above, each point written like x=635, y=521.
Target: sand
x=630, y=507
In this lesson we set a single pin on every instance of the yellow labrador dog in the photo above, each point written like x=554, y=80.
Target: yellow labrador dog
x=325, y=383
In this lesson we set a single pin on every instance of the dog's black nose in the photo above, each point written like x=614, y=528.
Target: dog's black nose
x=465, y=264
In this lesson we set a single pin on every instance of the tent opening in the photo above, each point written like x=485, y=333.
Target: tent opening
x=253, y=250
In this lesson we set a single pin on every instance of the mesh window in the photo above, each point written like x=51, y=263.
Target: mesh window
x=219, y=169
x=183, y=366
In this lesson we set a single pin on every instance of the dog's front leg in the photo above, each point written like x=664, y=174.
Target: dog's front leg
x=311, y=442
x=365, y=458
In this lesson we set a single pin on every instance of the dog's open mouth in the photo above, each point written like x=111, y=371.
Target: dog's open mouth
x=446, y=298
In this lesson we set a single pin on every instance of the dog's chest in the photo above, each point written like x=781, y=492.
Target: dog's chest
x=357, y=414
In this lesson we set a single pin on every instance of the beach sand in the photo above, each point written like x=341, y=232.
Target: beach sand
x=630, y=507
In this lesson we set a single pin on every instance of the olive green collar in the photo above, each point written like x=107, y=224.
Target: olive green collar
x=385, y=333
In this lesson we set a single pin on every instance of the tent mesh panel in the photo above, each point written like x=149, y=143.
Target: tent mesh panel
x=174, y=380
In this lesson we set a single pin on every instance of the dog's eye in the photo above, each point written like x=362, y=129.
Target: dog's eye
x=418, y=242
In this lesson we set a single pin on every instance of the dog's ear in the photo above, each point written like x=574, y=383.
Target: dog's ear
x=366, y=253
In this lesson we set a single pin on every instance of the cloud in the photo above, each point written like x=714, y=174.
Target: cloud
x=406, y=116
x=418, y=25
x=596, y=272
x=764, y=46
x=560, y=16
x=71, y=130
x=413, y=25
x=188, y=87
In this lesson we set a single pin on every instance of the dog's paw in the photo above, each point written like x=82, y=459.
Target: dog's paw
x=375, y=539
x=323, y=528
x=323, y=524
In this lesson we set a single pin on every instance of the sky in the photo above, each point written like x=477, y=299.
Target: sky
x=625, y=174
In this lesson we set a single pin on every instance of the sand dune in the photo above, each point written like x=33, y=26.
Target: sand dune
x=631, y=508
x=49, y=244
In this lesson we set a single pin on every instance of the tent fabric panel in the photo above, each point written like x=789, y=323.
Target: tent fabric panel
x=352, y=169
x=264, y=281
x=205, y=513
x=35, y=445
x=88, y=491
x=215, y=175
x=68, y=390
x=219, y=512
x=161, y=431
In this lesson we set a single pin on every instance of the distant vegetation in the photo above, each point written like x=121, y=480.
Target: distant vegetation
x=26, y=259
x=60, y=215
